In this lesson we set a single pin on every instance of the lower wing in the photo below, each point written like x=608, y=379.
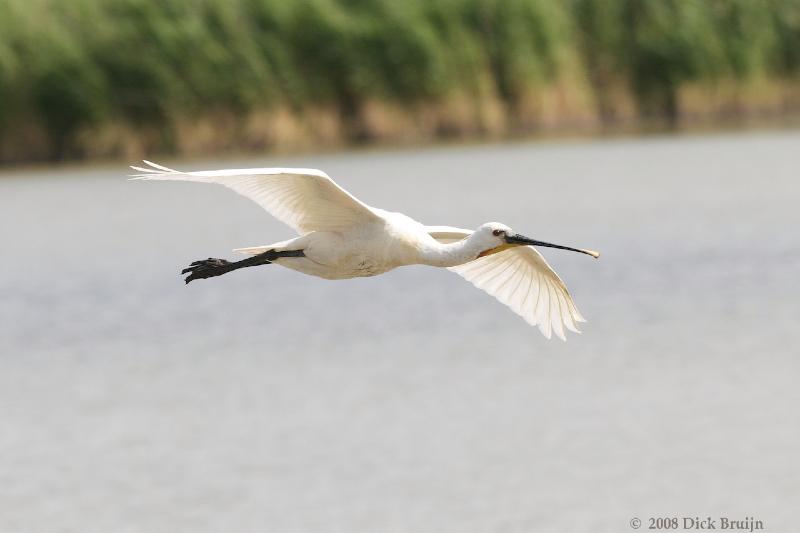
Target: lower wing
x=521, y=279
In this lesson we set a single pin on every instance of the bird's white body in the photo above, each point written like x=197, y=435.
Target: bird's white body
x=341, y=237
x=351, y=253
x=369, y=249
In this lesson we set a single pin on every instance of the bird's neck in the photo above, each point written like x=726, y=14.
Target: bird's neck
x=451, y=254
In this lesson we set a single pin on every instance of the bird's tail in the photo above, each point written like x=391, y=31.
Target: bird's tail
x=255, y=250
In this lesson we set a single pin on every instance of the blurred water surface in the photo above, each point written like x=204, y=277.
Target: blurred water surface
x=269, y=401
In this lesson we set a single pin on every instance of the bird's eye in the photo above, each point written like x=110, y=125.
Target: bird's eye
x=497, y=232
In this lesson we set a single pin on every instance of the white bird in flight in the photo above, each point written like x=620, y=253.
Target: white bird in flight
x=342, y=237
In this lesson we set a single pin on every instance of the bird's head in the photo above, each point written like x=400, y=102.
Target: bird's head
x=498, y=237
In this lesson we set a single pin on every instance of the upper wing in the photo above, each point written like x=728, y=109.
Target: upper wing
x=520, y=278
x=305, y=199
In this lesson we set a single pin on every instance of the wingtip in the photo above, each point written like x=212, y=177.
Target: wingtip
x=151, y=169
x=157, y=166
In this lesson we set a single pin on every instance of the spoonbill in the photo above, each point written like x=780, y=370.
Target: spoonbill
x=342, y=237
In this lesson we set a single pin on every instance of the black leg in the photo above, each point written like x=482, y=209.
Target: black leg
x=211, y=267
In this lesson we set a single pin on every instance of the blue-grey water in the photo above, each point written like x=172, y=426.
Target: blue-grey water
x=411, y=402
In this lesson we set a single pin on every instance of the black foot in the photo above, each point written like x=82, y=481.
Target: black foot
x=206, y=268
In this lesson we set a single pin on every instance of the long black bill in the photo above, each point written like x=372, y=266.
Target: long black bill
x=523, y=240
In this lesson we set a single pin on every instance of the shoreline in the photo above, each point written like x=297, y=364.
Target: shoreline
x=551, y=113
x=734, y=126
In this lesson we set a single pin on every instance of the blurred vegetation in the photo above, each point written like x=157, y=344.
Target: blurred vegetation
x=75, y=73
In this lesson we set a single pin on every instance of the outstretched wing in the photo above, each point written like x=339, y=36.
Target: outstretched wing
x=521, y=279
x=306, y=199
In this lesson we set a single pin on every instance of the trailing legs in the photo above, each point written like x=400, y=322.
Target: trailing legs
x=211, y=267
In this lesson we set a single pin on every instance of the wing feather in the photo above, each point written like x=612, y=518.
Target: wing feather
x=305, y=199
x=521, y=279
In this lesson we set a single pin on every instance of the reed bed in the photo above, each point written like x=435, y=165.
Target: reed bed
x=123, y=77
